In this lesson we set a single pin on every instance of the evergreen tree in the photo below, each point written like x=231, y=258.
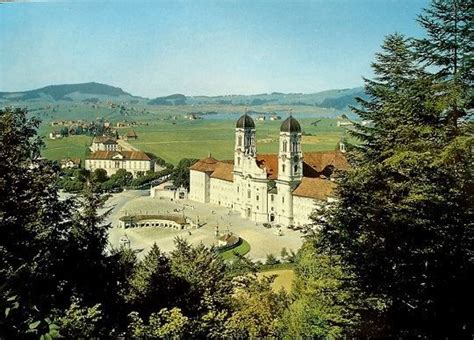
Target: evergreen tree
x=50, y=249
x=403, y=221
x=448, y=48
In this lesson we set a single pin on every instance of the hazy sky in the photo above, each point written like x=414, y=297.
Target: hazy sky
x=198, y=47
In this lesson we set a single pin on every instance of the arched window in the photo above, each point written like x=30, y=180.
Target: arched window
x=285, y=145
x=296, y=168
x=249, y=194
x=238, y=160
x=240, y=141
x=283, y=168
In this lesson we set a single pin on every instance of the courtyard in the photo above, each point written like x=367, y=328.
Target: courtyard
x=263, y=241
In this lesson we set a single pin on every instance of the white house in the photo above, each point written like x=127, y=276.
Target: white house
x=112, y=161
x=104, y=143
x=281, y=188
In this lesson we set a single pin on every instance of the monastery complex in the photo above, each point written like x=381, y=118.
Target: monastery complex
x=281, y=188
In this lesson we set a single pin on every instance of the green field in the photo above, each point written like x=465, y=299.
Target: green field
x=173, y=140
x=196, y=139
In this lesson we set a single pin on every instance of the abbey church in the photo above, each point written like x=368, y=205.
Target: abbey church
x=281, y=188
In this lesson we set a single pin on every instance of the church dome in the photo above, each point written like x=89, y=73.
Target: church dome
x=245, y=122
x=290, y=124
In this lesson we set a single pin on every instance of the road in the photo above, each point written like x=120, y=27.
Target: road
x=126, y=146
x=118, y=201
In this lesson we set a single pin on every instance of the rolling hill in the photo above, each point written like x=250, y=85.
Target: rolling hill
x=67, y=92
x=96, y=92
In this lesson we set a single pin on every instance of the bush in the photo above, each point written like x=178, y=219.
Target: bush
x=271, y=260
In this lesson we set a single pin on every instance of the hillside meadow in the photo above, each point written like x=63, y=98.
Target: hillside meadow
x=174, y=140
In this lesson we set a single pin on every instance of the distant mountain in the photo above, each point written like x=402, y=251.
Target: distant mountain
x=337, y=99
x=95, y=92
x=68, y=92
x=174, y=99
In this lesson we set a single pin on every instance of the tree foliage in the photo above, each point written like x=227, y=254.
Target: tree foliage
x=403, y=222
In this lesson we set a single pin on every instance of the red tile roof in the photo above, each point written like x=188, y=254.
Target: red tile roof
x=208, y=164
x=129, y=155
x=104, y=140
x=315, y=164
x=224, y=171
x=316, y=188
x=270, y=162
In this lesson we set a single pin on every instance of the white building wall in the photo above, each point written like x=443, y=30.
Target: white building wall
x=303, y=207
x=221, y=192
x=284, y=203
x=112, y=166
x=199, y=186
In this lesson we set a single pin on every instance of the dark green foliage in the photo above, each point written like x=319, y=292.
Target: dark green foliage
x=403, y=222
x=192, y=279
x=448, y=49
x=149, y=177
x=152, y=286
x=180, y=175
x=121, y=179
x=99, y=175
x=50, y=248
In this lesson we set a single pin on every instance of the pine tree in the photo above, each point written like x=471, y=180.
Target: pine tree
x=50, y=249
x=403, y=221
x=448, y=49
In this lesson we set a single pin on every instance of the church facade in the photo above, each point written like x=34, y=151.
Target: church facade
x=281, y=188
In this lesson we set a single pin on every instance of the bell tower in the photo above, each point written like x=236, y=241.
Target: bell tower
x=245, y=143
x=290, y=168
x=290, y=156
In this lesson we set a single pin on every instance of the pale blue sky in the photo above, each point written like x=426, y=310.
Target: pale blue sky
x=198, y=47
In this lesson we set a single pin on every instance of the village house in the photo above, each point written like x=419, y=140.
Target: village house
x=111, y=161
x=104, y=143
x=131, y=135
x=70, y=163
x=281, y=188
x=55, y=135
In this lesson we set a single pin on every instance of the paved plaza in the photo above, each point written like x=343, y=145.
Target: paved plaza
x=262, y=241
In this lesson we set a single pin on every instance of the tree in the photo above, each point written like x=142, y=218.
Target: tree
x=180, y=176
x=204, y=283
x=448, y=48
x=78, y=322
x=404, y=216
x=99, y=175
x=256, y=310
x=49, y=247
x=152, y=285
x=166, y=323
x=327, y=301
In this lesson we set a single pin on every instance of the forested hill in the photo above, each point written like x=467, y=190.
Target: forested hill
x=94, y=92
x=66, y=92
x=337, y=99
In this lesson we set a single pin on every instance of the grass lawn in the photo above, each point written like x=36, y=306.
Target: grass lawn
x=284, y=278
x=73, y=147
x=242, y=249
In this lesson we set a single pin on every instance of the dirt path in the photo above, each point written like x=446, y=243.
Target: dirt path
x=126, y=146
